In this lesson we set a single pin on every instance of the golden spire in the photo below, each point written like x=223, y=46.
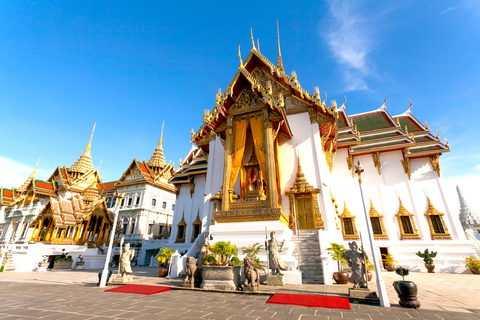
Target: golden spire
x=279, y=58
x=84, y=163
x=258, y=45
x=157, y=161
x=240, y=56
x=32, y=177
x=253, y=41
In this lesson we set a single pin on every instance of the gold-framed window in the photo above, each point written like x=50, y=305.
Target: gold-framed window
x=406, y=223
x=349, y=230
x=181, y=230
x=438, y=229
x=196, y=227
x=376, y=220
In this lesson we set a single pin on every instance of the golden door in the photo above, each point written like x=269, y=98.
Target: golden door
x=305, y=212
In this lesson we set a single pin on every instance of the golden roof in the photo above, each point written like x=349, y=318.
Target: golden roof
x=158, y=159
x=84, y=163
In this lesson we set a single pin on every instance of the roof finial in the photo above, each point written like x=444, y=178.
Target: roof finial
x=258, y=45
x=279, y=58
x=90, y=142
x=35, y=170
x=253, y=41
x=344, y=101
x=411, y=104
x=161, y=136
x=240, y=56
x=384, y=102
x=100, y=165
x=426, y=125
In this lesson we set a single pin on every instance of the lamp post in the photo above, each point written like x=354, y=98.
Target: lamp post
x=382, y=291
x=103, y=280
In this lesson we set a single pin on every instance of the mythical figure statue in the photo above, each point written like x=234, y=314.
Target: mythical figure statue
x=274, y=261
x=356, y=260
x=125, y=258
x=252, y=275
x=203, y=249
x=190, y=271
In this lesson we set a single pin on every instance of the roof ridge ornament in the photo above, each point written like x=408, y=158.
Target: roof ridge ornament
x=258, y=45
x=240, y=57
x=384, y=102
x=279, y=57
x=253, y=41
x=410, y=107
x=344, y=101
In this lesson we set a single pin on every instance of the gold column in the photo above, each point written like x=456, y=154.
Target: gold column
x=85, y=231
x=33, y=233
x=270, y=161
x=62, y=234
x=100, y=233
x=77, y=233
x=92, y=236
x=107, y=234
x=49, y=230
x=39, y=230
x=227, y=167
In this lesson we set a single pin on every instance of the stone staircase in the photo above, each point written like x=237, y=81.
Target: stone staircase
x=309, y=261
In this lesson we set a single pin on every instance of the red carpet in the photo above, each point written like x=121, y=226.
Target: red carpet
x=307, y=300
x=138, y=289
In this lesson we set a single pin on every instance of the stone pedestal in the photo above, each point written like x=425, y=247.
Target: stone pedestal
x=275, y=280
x=362, y=293
x=121, y=280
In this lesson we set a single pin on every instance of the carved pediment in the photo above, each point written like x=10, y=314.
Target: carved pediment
x=264, y=78
x=247, y=98
x=292, y=103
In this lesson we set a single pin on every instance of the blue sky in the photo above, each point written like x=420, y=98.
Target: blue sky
x=130, y=65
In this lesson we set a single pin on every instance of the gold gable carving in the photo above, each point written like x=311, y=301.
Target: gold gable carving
x=294, y=104
x=247, y=98
x=264, y=78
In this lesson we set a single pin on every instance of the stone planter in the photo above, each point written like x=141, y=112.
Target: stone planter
x=225, y=278
x=43, y=264
x=341, y=277
x=79, y=265
x=475, y=271
x=62, y=264
x=407, y=292
x=430, y=267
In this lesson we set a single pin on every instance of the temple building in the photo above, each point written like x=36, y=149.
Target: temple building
x=146, y=211
x=66, y=212
x=73, y=210
x=271, y=156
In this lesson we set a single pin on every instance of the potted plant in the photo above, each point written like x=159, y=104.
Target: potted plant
x=63, y=261
x=336, y=252
x=473, y=264
x=162, y=261
x=406, y=290
x=252, y=251
x=389, y=262
x=221, y=269
x=44, y=262
x=79, y=262
x=427, y=258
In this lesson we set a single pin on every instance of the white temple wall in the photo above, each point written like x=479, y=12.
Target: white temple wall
x=214, y=180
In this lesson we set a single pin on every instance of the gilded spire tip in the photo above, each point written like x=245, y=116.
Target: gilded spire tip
x=161, y=136
x=258, y=45
x=253, y=41
x=279, y=58
x=240, y=57
x=90, y=141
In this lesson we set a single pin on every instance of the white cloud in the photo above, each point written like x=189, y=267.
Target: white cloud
x=348, y=39
x=14, y=174
x=476, y=167
x=449, y=9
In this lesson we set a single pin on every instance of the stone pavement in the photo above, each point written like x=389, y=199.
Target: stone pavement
x=75, y=296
